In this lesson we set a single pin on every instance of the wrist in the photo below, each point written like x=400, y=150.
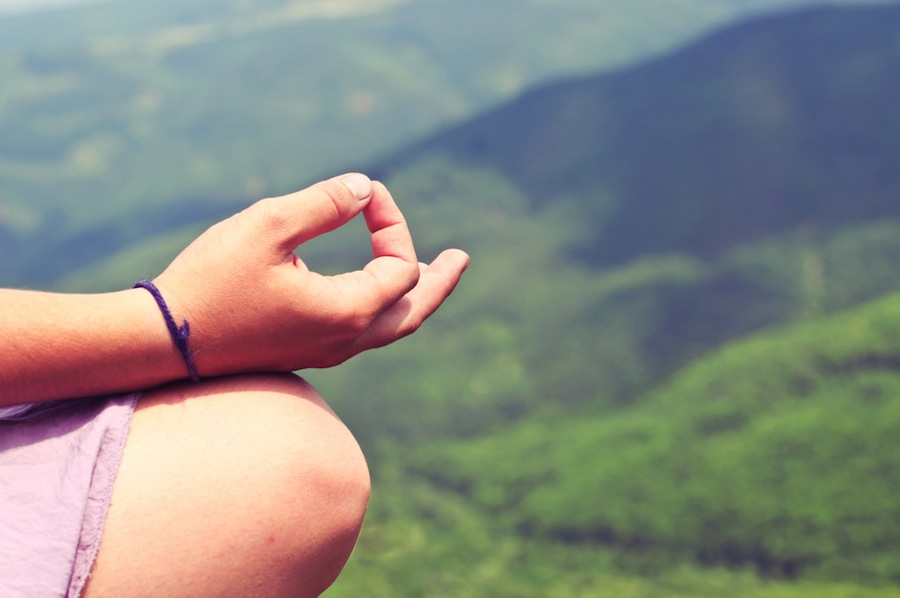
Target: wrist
x=138, y=344
x=61, y=346
x=180, y=333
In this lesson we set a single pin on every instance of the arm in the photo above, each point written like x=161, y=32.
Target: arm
x=251, y=303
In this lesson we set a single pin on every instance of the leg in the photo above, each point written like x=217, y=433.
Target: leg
x=245, y=486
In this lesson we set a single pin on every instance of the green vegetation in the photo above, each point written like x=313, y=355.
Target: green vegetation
x=775, y=125
x=593, y=426
x=777, y=453
x=155, y=108
x=422, y=541
x=169, y=112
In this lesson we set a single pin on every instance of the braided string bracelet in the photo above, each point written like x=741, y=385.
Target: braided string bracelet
x=180, y=334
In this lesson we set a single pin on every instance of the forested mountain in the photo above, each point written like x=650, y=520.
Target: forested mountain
x=172, y=112
x=774, y=458
x=602, y=274
x=601, y=396
x=776, y=124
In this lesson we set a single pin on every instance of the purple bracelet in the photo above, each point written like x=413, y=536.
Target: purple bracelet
x=179, y=334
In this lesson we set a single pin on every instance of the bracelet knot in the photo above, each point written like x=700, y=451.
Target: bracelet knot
x=180, y=334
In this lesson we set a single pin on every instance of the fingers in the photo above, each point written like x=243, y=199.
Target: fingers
x=405, y=316
x=298, y=217
x=390, y=233
x=393, y=294
x=395, y=267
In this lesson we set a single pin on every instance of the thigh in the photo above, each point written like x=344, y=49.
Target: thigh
x=245, y=486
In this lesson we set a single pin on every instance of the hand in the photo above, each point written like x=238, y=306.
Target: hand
x=254, y=306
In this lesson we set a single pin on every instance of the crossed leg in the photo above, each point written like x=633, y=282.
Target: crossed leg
x=244, y=486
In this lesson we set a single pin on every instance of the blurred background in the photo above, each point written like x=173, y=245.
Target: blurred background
x=673, y=368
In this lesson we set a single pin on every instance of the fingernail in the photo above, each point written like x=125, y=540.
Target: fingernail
x=359, y=185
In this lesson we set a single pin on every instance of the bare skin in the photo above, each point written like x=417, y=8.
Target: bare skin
x=241, y=486
x=252, y=305
x=246, y=484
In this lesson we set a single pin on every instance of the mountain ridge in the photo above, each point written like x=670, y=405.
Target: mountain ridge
x=634, y=141
x=91, y=128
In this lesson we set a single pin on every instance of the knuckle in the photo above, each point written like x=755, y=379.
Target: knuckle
x=411, y=324
x=267, y=210
x=355, y=319
x=357, y=326
x=412, y=272
x=336, y=200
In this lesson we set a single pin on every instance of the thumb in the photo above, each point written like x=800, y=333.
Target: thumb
x=298, y=217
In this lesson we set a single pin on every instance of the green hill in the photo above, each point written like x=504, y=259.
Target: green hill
x=122, y=120
x=590, y=424
x=534, y=324
x=776, y=124
x=776, y=452
x=767, y=469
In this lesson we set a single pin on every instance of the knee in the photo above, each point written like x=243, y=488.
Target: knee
x=319, y=472
x=317, y=450
x=331, y=462
x=342, y=493
x=321, y=476
x=272, y=460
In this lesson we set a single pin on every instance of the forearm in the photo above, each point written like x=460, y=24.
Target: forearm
x=253, y=305
x=58, y=346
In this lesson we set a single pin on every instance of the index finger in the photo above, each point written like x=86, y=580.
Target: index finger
x=394, y=269
x=394, y=264
x=390, y=233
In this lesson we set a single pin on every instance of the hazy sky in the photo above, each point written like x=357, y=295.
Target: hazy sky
x=8, y=6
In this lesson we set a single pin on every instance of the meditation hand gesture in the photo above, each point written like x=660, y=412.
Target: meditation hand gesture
x=251, y=304
x=255, y=306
